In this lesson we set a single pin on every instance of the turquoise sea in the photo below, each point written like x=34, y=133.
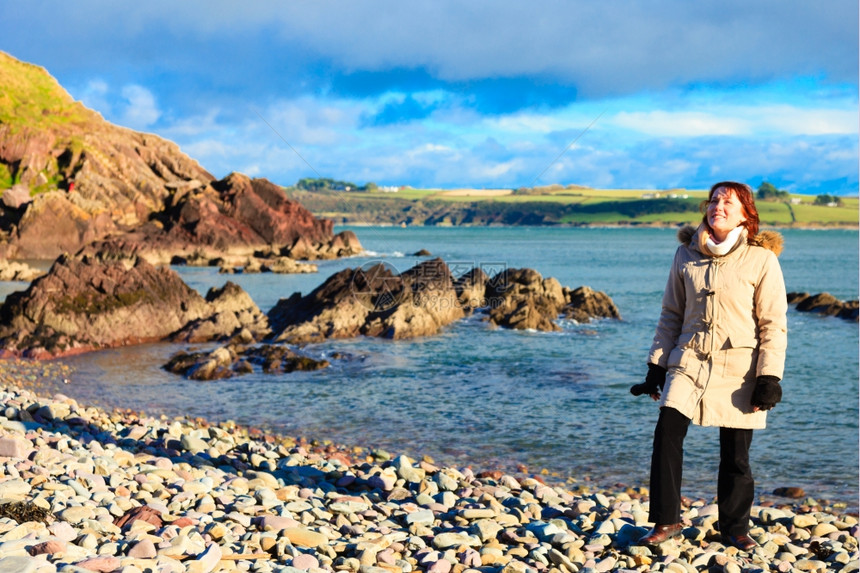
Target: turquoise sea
x=485, y=398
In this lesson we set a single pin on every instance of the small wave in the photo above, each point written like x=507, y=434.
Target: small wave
x=377, y=254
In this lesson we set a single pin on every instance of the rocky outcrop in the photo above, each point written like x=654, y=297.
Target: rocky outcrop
x=523, y=300
x=232, y=360
x=230, y=311
x=55, y=222
x=471, y=289
x=276, y=265
x=371, y=301
x=238, y=214
x=104, y=177
x=94, y=181
x=376, y=301
x=344, y=244
x=200, y=223
x=825, y=304
x=86, y=303
x=272, y=259
x=584, y=304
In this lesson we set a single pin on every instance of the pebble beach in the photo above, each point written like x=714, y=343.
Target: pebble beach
x=83, y=489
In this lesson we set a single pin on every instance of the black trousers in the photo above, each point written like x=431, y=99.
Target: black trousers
x=735, y=485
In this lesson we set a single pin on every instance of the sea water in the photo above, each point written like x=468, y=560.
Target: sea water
x=557, y=403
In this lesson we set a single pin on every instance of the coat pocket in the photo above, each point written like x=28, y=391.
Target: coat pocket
x=741, y=356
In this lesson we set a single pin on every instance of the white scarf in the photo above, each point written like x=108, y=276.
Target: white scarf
x=723, y=247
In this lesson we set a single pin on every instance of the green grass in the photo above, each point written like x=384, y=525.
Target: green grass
x=773, y=213
x=6, y=177
x=31, y=98
x=819, y=214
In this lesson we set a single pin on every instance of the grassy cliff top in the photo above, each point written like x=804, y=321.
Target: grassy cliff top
x=32, y=98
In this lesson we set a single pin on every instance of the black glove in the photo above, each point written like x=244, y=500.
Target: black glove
x=654, y=381
x=767, y=392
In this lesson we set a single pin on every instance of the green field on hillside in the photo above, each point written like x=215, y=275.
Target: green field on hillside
x=558, y=205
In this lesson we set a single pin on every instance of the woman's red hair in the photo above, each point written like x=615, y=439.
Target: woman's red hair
x=744, y=193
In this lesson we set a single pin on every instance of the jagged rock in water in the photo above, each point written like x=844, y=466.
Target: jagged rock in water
x=84, y=303
x=89, y=302
x=231, y=311
x=231, y=360
x=522, y=299
x=585, y=304
x=826, y=304
x=376, y=301
x=344, y=244
x=372, y=301
x=471, y=289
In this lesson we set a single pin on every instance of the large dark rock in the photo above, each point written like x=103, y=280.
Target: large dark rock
x=376, y=301
x=88, y=302
x=824, y=303
x=232, y=360
x=372, y=301
x=523, y=300
x=231, y=311
x=344, y=244
x=56, y=222
x=228, y=223
x=584, y=304
x=471, y=289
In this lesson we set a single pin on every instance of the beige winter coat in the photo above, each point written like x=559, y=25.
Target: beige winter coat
x=723, y=323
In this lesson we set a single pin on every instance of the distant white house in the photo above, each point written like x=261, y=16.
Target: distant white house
x=658, y=194
x=796, y=201
x=389, y=188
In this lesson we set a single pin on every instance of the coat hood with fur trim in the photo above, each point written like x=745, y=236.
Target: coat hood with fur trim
x=770, y=240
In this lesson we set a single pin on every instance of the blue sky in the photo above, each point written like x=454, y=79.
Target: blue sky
x=472, y=94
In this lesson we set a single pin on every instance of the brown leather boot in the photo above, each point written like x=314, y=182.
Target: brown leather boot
x=661, y=533
x=743, y=542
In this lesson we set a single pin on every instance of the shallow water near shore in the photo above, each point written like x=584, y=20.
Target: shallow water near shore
x=484, y=398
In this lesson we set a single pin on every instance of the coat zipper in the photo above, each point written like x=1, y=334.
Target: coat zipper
x=717, y=263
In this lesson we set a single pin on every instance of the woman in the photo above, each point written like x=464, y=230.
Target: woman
x=717, y=356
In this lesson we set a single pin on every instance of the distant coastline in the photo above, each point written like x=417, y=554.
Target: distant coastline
x=564, y=207
x=619, y=225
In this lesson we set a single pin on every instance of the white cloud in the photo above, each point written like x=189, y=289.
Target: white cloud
x=310, y=121
x=140, y=110
x=740, y=121
x=431, y=149
x=493, y=171
x=660, y=123
x=797, y=121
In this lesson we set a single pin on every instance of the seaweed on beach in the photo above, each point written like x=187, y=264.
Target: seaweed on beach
x=24, y=511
